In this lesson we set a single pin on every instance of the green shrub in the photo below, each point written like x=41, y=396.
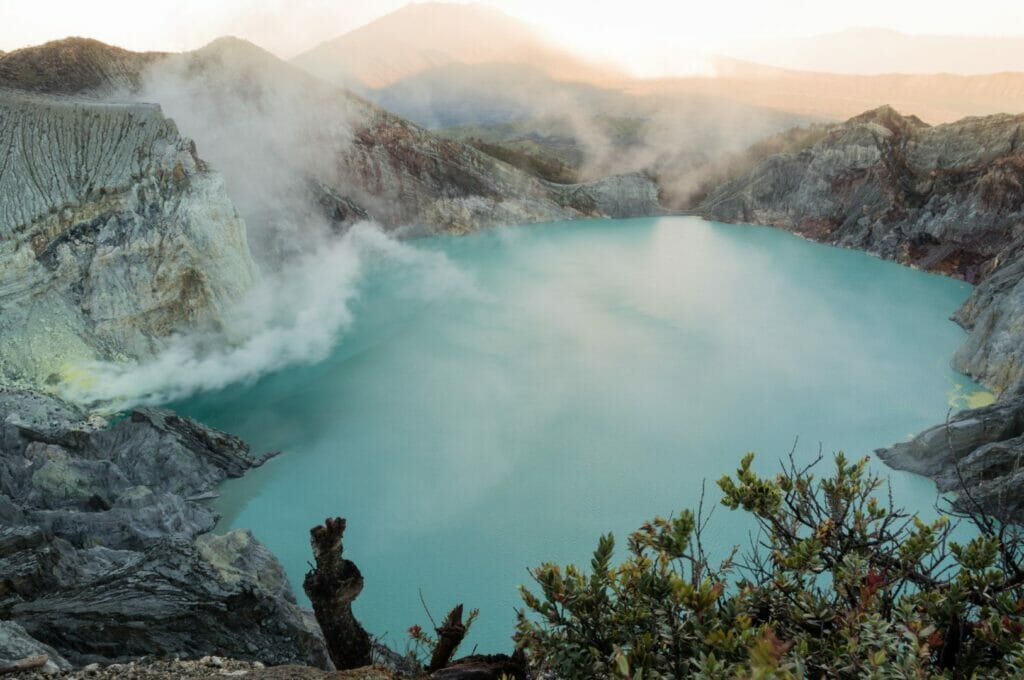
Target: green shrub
x=836, y=584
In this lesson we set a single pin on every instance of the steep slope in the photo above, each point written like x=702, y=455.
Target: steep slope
x=944, y=198
x=113, y=234
x=73, y=66
x=425, y=35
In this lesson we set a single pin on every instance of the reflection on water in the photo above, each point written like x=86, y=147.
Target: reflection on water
x=595, y=375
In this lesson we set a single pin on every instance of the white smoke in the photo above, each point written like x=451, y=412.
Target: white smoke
x=295, y=316
x=270, y=130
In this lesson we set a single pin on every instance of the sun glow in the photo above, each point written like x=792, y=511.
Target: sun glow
x=648, y=37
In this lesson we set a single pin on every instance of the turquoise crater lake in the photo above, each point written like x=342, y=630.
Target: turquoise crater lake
x=585, y=377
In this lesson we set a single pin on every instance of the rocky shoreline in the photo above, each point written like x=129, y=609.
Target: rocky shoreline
x=105, y=553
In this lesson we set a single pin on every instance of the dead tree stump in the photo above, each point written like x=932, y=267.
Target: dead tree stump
x=449, y=637
x=331, y=586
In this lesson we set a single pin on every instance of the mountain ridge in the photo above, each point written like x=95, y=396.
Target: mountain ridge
x=425, y=35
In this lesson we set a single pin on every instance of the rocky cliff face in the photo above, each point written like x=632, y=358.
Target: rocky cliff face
x=978, y=454
x=949, y=199
x=113, y=234
x=103, y=550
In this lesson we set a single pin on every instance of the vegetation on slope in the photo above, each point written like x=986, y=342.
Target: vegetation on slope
x=73, y=66
x=538, y=165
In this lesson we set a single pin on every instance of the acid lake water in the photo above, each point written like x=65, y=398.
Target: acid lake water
x=583, y=377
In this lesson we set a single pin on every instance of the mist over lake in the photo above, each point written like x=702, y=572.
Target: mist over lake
x=584, y=377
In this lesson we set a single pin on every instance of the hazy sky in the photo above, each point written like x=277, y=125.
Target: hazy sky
x=647, y=35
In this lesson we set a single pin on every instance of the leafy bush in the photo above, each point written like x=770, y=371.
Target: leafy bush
x=836, y=584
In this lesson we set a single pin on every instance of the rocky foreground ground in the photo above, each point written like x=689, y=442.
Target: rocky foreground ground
x=206, y=667
x=104, y=546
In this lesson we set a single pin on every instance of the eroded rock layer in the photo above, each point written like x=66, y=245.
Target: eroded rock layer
x=104, y=553
x=113, y=234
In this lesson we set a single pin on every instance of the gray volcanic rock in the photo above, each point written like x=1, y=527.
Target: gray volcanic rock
x=937, y=450
x=948, y=198
x=630, y=195
x=16, y=644
x=113, y=234
x=978, y=454
x=994, y=318
x=103, y=551
x=180, y=597
x=123, y=487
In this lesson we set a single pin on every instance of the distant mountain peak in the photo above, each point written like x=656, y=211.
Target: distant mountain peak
x=73, y=65
x=889, y=117
x=230, y=42
x=421, y=36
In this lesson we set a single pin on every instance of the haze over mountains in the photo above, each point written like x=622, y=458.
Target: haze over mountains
x=419, y=37
x=891, y=52
x=481, y=76
x=423, y=57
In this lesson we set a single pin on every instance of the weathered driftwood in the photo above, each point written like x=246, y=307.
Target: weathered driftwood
x=331, y=586
x=26, y=664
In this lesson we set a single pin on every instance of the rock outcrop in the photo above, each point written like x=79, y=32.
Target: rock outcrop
x=630, y=195
x=16, y=644
x=948, y=199
x=978, y=455
x=104, y=553
x=113, y=234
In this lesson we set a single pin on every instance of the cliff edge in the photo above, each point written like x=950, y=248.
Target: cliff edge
x=113, y=234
